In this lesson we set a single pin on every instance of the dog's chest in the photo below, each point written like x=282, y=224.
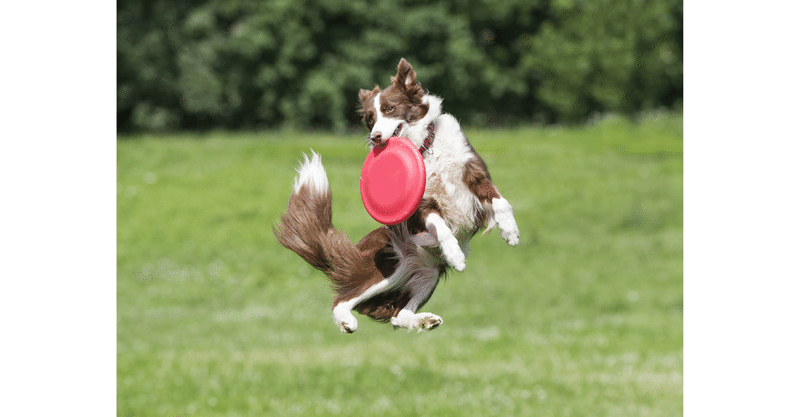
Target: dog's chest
x=445, y=185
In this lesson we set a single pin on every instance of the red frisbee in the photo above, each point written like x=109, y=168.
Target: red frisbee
x=393, y=181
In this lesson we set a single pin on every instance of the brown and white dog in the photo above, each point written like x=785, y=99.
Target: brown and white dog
x=393, y=270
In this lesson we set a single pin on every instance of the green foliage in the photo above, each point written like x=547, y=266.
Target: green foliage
x=610, y=55
x=583, y=318
x=300, y=63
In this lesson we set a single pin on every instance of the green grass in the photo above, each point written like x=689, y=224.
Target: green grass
x=584, y=318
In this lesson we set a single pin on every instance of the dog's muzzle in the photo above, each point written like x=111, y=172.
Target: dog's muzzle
x=378, y=138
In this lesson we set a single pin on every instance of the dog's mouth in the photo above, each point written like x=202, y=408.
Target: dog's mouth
x=378, y=140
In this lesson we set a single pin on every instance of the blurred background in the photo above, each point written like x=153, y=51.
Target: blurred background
x=240, y=64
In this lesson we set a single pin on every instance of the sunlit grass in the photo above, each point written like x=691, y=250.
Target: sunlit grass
x=583, y=318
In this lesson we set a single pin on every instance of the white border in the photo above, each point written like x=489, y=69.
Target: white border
x=741, y=209
x=58, y=165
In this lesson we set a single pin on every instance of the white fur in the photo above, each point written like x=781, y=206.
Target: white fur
x=383, y=124
x=420, y=321
x=344, y=319
x=444, y=165
x=418, y=131
x=312, y=174
x=341, y=313
x=504, y=215
x=444, y=171
x=447, y=242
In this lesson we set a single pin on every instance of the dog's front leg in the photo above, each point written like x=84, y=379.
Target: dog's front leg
x=504, y=216
x=480, y=184
x=447, y=241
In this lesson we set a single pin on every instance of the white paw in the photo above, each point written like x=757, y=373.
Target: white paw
x=421, y=321
x=459, y=265
x=428, y=321
x=504, y=216
x=348, y=325
x=455, y=257
x=511, y=236
x=344, y=319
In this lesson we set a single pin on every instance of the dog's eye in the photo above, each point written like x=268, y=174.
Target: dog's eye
x=390, y=108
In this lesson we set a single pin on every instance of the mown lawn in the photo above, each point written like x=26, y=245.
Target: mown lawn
x=584, y=318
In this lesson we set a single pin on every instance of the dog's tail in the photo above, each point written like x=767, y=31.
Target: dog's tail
x=306, y=227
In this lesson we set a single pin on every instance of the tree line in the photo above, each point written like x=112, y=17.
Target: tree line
x=242, y=64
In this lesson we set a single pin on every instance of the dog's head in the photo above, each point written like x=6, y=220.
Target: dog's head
x=393, y=110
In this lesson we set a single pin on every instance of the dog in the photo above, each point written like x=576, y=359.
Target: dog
x=392, y=272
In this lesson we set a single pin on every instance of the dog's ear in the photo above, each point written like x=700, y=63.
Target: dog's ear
x=364, y=95
x=406, y=76
x=406, y=81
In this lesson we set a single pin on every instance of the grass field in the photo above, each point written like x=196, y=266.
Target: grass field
x=583, y=318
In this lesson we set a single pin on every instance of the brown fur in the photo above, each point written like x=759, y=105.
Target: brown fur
x=384, y=306
x=367, y=109
x=405, y=95
x=416, y=223
x=304, y=216
x=477, y=178
x=306, y=229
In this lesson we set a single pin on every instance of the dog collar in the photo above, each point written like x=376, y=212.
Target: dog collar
x=428, y=140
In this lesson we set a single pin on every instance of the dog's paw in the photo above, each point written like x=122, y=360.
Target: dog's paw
x=429, y=321
x=345, y=320
x=504, y=216
x=459, y=266
x=511, y=236
x=420, y=322
x=348, y=325
x=455, y=258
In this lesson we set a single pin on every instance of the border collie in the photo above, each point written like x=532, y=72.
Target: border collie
x=393, y=270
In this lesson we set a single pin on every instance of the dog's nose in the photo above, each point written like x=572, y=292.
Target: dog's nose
x=376, y=137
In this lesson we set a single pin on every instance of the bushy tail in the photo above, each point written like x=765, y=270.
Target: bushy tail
x=306, y=227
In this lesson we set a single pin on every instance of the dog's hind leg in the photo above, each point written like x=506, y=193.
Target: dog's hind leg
x=342, y=315
x=422, y=286
x=420, y=321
